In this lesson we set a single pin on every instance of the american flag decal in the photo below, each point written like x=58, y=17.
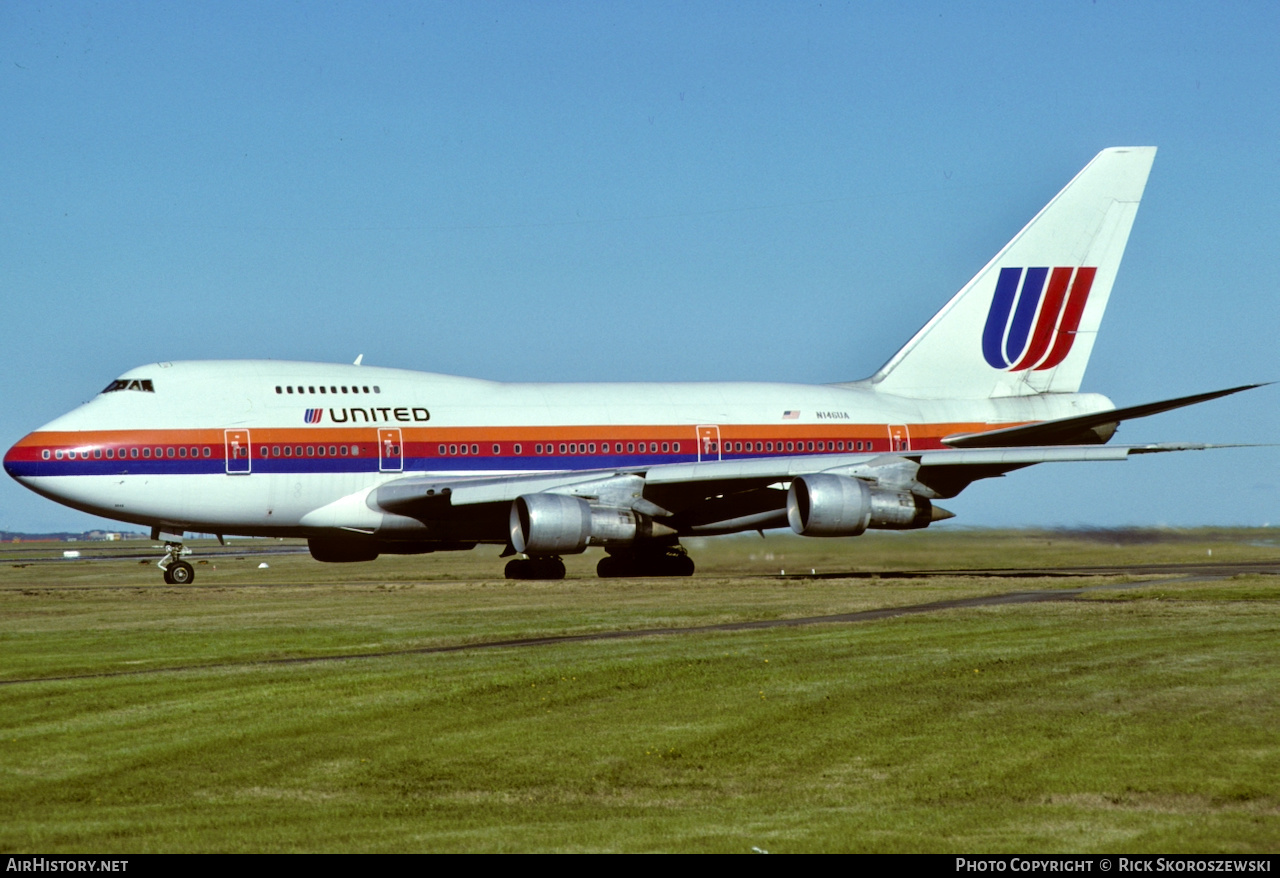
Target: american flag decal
x=791, y=414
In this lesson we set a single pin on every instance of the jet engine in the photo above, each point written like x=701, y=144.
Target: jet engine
x=556, y=524
x=827, y=505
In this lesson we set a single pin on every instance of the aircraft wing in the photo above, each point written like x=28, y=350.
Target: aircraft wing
x=730, y=495
x=1089, y=429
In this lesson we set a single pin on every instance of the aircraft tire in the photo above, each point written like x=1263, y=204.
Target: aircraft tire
x=180, y=573
x=612, y=567
x=535, y=568
x=616, y=566
x=168, y=577
x=680, y=565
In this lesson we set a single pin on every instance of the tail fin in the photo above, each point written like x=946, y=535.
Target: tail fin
x=1026, y=323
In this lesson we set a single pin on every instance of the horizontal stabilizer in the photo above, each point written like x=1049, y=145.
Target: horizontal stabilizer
x=1093, y=429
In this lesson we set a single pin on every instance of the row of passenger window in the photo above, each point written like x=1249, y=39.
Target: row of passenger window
x=314, y=451
x=148, y=452
x=564, y=448
x=666, y=447
x=145, y=452
x=322, y=389
x=803, y=445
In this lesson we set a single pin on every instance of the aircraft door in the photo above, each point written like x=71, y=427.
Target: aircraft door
x=708, y=442
x=899, y=437
x=390, y=450
x=239, y=458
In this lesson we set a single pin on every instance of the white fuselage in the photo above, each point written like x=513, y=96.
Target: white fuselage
x=272, y=447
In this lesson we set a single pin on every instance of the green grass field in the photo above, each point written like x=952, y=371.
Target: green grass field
x=1139, y=718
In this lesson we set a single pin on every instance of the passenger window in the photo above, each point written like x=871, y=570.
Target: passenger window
x=517, y=448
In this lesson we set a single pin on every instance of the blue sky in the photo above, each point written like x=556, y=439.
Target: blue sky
x=638, y=191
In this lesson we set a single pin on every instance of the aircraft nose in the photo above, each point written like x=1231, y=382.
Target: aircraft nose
x=22, y=459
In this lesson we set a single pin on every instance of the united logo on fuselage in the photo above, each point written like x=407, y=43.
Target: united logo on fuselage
x=1034, y=316
x=313, y=416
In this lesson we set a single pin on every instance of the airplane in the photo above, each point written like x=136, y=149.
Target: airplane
x=363, y=461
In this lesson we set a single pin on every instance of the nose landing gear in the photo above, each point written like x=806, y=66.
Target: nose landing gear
x=176, y=571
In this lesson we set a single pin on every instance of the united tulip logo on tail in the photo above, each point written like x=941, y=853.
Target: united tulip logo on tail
x=1022, y=332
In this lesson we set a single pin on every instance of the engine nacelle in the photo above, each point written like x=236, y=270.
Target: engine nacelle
x=826, y=505
x=556, y=524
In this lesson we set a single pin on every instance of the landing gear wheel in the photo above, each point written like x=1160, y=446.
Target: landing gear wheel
x=535, y=568
x=672, y=562
x=175, y=570
x=679, y=565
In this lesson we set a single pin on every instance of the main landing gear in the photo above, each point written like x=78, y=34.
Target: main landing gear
x=672, y=561
x=176, y=571
x=535, y=568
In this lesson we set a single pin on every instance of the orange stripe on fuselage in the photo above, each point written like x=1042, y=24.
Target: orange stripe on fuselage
x=422, y=438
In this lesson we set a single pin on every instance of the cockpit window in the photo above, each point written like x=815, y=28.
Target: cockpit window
x=143, y=384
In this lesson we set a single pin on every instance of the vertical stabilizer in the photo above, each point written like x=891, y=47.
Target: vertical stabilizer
x=1026, y=323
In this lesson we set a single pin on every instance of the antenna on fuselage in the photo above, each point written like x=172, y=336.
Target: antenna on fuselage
x=358, y=359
